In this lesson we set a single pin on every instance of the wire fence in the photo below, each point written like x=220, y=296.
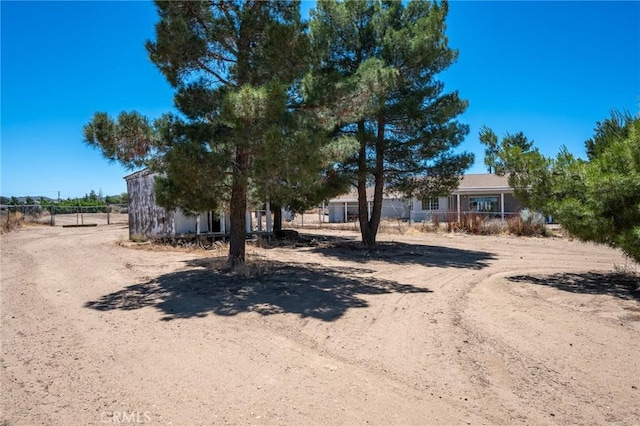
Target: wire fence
x=54, y=215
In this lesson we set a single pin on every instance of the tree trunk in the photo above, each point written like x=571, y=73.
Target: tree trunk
x=369, y=225
x=368, y=238
x=238, y=210
x=378, y=177
x=277, y=217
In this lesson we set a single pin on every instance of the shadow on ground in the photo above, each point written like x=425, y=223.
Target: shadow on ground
x=622, y=286
x=403, y=253
x=303, y=289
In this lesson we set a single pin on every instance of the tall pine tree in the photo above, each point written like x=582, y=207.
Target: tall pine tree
x=236, y=67
x=388, y=54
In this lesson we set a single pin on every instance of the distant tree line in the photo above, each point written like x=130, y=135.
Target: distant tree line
x=92, y=199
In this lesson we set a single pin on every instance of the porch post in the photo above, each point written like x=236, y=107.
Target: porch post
x=458, y=204
x=248, y=224
x=259, y=219
x=223, y=223
x=198, y=223
x=502, y=205
x=269, y=218
x=323, y=212
x=345, y=212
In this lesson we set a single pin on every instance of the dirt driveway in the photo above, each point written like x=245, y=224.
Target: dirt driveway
x=432, y=329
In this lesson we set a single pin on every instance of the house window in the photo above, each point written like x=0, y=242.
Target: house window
x=483, y=204
x=431, y=203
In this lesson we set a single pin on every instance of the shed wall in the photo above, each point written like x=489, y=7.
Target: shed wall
x=145, y=216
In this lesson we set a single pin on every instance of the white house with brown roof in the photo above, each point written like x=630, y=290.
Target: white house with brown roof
x=486, y=194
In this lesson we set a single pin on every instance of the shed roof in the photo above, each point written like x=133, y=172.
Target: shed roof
x=139, y=173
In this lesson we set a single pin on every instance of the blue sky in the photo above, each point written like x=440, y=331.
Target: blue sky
x=549, y=69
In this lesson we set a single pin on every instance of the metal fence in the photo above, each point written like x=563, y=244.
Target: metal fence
x=55, y=215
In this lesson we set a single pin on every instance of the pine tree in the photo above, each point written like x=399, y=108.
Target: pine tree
x=243, y=132
x=387, y=55
x=517, y=157
x=490, y=140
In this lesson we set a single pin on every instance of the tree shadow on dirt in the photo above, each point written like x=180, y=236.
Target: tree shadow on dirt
x=404, y=253
x=303, y=289
x=622, y=286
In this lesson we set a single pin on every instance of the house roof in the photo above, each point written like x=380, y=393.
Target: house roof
x=482, y=183
x=471, y=183
x=352, y=196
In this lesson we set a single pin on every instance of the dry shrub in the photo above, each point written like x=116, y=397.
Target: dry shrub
x=527, y=223
x=261, y=242
x=426, y=226
x=494, y=227
x=139, y=238
x=11, y=221
x=435, y=222
x=342, y=226
x=452, y=222
x=254, y=267
x=471, y=223
x=628, y=268
x=432, y=223
x=393, y=226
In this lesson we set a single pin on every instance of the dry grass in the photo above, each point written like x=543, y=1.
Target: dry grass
x=256, y=266
x=139, y=238
x=627, y=268
x=527, y=224
x=11, y=221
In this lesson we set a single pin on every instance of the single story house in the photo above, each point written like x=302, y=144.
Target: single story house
x=487, y=194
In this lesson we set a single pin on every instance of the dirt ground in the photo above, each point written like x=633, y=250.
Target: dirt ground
x=432, y=329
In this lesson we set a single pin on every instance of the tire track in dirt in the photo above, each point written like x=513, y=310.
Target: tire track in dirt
x=544, y=385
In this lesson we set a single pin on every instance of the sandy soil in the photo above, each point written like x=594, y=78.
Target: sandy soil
x=432, y=329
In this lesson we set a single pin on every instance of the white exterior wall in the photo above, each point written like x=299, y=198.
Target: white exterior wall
x=148, y=219
x=188, y=224
x=395, y=209
x=337, y=210
x=145, y=216
x=184, y=224
x=392, y=208
x=420, y=214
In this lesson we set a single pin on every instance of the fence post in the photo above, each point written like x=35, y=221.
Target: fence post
x=108, y=214
x=53, y=215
